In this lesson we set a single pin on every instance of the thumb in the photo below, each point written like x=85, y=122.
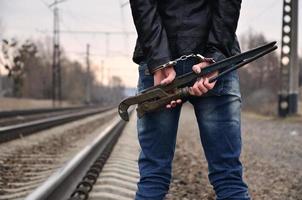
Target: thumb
x=198, y=67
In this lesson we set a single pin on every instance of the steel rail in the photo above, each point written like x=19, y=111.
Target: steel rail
x=62, y=183
x=14, y=113
x=15, y=131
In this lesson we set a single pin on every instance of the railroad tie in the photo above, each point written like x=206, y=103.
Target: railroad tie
x=118, y=179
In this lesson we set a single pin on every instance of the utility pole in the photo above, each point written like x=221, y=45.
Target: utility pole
x=289, y=91
x=56, y=64
x=102, y=71
x=108, y=76
x=88, y=81
x=126, y=41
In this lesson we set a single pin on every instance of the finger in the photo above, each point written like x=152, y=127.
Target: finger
x=173, y=104
x=208, y=85
x=168, y=106
x=191, y=92
x=169, y=78
x=213, y=74
x=201, y=86
x=196, y=90
x=179, y=101
x=196, y=68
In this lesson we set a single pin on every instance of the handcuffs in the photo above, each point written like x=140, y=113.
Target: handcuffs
x=182, y=58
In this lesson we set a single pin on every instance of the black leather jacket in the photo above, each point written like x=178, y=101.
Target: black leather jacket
x=168, y=29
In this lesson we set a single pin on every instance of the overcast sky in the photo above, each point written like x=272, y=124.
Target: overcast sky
x=33, y=19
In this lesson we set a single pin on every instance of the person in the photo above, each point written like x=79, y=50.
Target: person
x=167, y=30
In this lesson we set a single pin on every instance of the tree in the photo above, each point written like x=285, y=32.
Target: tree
x=29, y=67
x=110, y=95
x=73, y=81
x=260, y=79
x=16, y=57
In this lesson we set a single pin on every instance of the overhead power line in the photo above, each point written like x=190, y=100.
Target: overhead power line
x=92, y=32
x=99, y=32
x=56, y=65
x=56, y=2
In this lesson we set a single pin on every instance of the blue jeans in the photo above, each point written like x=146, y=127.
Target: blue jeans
x=218, y=117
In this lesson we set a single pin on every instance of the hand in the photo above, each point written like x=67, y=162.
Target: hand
x=166, y=76
x=202, y=86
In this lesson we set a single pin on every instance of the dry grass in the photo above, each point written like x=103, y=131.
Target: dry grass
x=20, y=104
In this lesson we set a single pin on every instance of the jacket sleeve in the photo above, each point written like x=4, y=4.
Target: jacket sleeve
x=222, y=35
x=152, y=36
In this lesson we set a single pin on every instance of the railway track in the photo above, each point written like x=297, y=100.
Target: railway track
x=14, y=117
x=25, y=164
x=120, y=174
x=14, y=131
x=96, y=173
x=13, y=113
x=89, y=175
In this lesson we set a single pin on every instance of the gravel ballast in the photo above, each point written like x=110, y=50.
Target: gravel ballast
x=26, y=162
x=272, y=159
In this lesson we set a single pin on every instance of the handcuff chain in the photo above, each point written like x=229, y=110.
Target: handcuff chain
x=185, y=57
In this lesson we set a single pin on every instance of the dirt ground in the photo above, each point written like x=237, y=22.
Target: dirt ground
x=272, y=159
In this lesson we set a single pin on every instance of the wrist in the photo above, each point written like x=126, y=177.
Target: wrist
x=205, y=59
x=158, y=72
x=164, y=66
